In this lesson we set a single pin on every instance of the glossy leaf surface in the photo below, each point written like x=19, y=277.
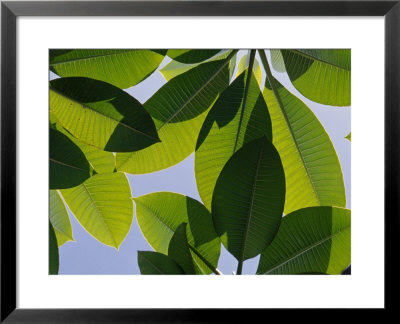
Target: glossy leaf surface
x=103, y=206
x=101, y=115
x=159, y=215
x=314, y=239
x=121, y=67
x=155, y=263
x=248, y=199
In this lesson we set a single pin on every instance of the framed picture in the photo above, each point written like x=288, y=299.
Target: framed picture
x=274, y=61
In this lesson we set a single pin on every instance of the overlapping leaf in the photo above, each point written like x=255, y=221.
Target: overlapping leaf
x=155, y=263
x=68, y=165
x=312, y=169
x=322, y=75
x=314, y=239
x=103, y=206
x=179, y=250
x=59, y=219
x=53, y=252
x=101, y=115
x=159, y=215
x=121, y=67
x=239, y=116
x=178, y=109
x=188, y=56
x=248, y=199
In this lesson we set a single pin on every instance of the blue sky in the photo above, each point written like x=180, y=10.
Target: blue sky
x=87, y=256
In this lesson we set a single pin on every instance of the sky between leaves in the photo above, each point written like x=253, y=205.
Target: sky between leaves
x=87, y=256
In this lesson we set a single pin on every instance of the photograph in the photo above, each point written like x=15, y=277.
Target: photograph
x=200, y=161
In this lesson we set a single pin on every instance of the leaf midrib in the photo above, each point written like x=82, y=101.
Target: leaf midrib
x=68, y=165
x=314, y=58
x=251, y=204
x=90, y=57
x=281, y=107
x=101, y=114
x=306, y=249
x=206, y=83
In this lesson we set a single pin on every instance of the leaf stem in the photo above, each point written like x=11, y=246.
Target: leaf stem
x=239, y=268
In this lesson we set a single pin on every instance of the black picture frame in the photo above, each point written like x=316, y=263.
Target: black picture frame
x=10, y=10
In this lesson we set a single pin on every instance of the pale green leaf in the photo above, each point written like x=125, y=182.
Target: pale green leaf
x=313, y=172
x=312, y=169
x=321, y=75
x=159, y=215
x=101, y=115
x=179, y=250
x=59, y=219
x=103, y=206
x=239, y=116
x=248, y=199
x=121, y=67
x=53, y=252
x=155, y=263
x=314, y=239
x=178, y=109
x=68, y=165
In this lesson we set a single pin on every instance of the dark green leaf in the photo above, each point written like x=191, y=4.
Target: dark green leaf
x=101, y=115
x=248, y=199
x=192, y=56
x=68, y=165
x=314, y=239
x=239, y=116
x=155, y=263
x=179, y=250
x=159, y=215
x=53, y=252
x=178, y=109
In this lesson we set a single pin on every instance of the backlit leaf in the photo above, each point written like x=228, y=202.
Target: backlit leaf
x=179, y=250
x=59, y=219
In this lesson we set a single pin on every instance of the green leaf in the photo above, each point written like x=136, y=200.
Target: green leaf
x=312, y=169
x=103, y=206
x=313, y=173
x=101, y=115
x=174, y=68
x=159, y=215
x=59, y=219
x=321, y=75
x=155, y=263
x=192, y=56
x=53, y=252
x=101, y=161
x=179, y=250
x=239, y=116
x=178, y=109
x=248, y=199
x=314, y=239
x=68, y=165
x=121, y=67
x=348, y=136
